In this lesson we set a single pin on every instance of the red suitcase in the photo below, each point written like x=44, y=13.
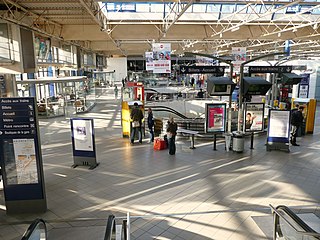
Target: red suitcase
x=159, y=144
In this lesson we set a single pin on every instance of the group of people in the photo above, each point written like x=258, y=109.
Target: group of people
x=137, y=119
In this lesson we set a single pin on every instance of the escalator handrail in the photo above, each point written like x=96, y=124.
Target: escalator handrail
x=110, y=227
x=165, y=108
x=307, y=230
x=32, y=227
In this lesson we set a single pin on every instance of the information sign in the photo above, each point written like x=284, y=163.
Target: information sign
x=83, y=143
x=20, y=155
x=218, y=70
x=215, y=117
x=270, y=69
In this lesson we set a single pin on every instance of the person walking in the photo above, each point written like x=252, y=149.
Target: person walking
x=296, y=123
x=151, y=125
x=171, y=135
x=136, y=118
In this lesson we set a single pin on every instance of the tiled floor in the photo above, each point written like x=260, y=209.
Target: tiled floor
x=206, y=194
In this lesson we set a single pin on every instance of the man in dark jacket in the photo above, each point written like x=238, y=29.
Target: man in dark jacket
x=136, y=117
x=296, y=122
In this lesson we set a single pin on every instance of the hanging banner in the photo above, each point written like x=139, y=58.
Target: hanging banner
x=161, y=57
x=254, y=119
x=149, y=61
x=215, y=117
x=239, y=55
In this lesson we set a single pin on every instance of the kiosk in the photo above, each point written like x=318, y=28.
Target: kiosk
x=127, y=107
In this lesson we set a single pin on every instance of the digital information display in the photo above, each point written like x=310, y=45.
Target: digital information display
x=18, y=134
x=215, y=117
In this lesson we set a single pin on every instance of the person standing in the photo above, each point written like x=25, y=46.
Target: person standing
x=136, y=117
x=171, y=135
x=296, y=122
x=116, y=90
x=151, y=124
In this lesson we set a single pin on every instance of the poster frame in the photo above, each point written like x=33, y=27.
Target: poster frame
x=224, y=117
x=275, y=139
x=261, y=114
x=83, y=153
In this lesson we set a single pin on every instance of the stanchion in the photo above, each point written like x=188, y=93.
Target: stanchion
x=251, y=146
x=215, y=142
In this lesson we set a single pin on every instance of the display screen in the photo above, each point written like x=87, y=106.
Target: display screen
x=221, y=88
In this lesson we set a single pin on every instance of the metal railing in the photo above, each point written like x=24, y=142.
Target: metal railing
x=288, y=225
x=36, y=231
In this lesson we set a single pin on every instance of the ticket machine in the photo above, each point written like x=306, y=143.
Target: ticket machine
x=127, y=107
x=309, y=112
x=131, y=93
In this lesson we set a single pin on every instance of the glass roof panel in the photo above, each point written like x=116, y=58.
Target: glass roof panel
x=199, y=8
x=228, y=8
x=213, y=7
x=143, y=7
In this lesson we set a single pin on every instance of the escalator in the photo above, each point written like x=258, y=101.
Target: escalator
x=289, y=226
x=114, y=230
x=36, y=231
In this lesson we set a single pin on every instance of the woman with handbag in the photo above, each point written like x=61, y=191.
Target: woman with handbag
x=171, y=135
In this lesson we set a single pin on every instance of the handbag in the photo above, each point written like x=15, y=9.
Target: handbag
x=135, y=124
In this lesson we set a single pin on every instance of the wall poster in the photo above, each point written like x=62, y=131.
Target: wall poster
x=215, y=117
x=254, y=117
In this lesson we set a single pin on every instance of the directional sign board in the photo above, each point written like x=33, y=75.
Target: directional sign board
x=270, y=69
x=218, y=70
x=20, y=156
x=17, y=118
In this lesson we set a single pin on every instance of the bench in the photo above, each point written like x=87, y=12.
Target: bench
x=191, y=133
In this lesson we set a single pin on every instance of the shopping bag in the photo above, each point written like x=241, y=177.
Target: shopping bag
x=159, y=144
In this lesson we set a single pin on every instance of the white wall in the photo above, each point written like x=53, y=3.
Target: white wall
x=120, y=67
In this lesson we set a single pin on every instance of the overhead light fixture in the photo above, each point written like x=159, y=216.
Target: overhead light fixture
x=220, y=35
x=279, y=34
x=235, y=29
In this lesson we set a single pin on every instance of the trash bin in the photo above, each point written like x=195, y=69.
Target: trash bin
x=238, y=142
